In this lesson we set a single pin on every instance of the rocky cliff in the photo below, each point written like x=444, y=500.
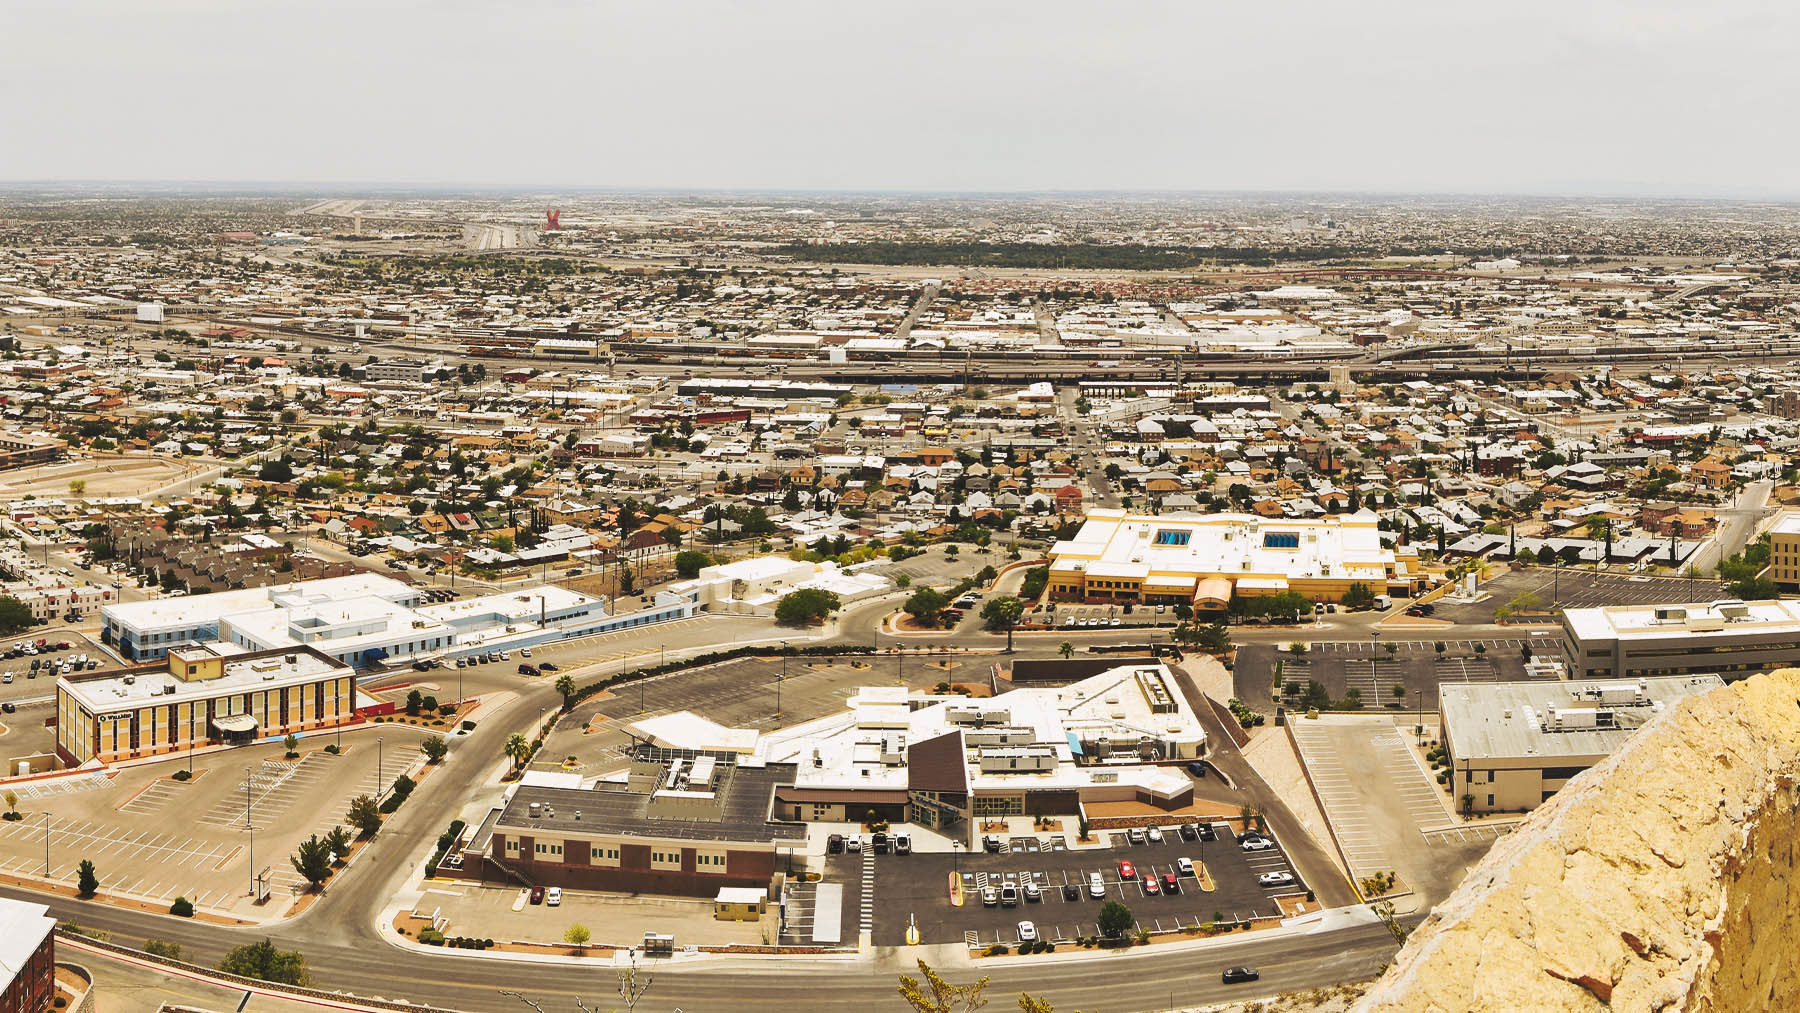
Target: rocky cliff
x=1664, y=878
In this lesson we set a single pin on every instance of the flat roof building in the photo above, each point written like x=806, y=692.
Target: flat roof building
x=1514, y=744
x=1784, y=552
x=1203, y=559
x=27, y=956
x=1728, y=637
x=202, y=695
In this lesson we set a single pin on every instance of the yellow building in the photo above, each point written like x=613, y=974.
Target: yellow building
x=1784, y=552
x=1204, y=559
x=200, y=696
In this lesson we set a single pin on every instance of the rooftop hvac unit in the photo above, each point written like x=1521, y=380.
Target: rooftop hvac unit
x=1671, y=614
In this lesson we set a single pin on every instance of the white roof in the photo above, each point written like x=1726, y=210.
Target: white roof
x=23, y=926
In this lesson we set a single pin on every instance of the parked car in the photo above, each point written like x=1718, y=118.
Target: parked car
x=1032, y=893
x=1170, y=883
x=902, y=844
x=1009, y=895
x=1096, y=886
x=879, y=844
x=7, y=707
x=1275, y=879
x=1135, y=835
x=548, y=666
x=1027, y=932
x=990, y=843
x=528, y=670
x=1186, y=865
x=1207, y=833
x=1155, y=835
x=834, y=845
x=1256, y=844
x=537, y=895
x=1235, y=975
x=1150, y=886
x=524, y=652
x=553, y=897
x=1071, y=892
x=990, y=897
x=1189, y=832
x=1127, y=870
x=853, y=844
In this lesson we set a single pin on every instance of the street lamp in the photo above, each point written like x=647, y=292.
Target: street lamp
x=251, y=828
x=781, y=679
x=378, y=784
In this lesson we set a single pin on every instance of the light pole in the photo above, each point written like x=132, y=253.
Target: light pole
x=1374, y=658
x=779, y=680
x=46, y=845
x=251, y=829
x=378, y=784
x=1419, y=729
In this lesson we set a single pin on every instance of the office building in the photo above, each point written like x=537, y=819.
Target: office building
x=27, y=956
x=1784, y=552
x=1729, y=638
x=202, y=695
x=1514, y=744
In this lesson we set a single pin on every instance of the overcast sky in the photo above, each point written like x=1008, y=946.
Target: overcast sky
x=1695, y=98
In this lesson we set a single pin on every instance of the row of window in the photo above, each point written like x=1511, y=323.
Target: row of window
x=608, y=854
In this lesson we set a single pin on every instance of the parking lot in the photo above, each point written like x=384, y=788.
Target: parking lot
x=1566, y=587
x=917, y=886
x=154, y=838
x=1386, y=813
x=1369, y=667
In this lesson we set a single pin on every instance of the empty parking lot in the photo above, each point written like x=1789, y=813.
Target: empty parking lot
x=1373, y=668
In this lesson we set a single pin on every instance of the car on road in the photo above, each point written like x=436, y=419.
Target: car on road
x=1155, y=835
x=1032, y=893
x=537, y=895
x=1170, y=883
x=1009, y=895
x=1027, y=932
x=1275, y=879
x=1236, y=975
x=553, y=897
x=1151, y=887
x=1256, y=844
x=989, y=896
x=1127, y=870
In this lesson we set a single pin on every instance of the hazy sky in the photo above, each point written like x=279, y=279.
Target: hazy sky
x=1692, y=97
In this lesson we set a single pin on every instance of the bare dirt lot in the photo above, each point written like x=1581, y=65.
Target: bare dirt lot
x=103, y=476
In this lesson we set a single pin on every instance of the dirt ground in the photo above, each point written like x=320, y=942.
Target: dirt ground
x=105, y=476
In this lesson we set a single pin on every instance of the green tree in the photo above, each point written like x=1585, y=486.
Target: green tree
x=577, y=934
x=86, y=881
x=435, y=749
x=291, y=743
x=807, y=605
x=1065, y=649
x=1003, y=613
x=15, y=615
x=338, y=840
x=414, y=701
x=565, y=684
x=689, y=563
x=364, y=815
x=312, y=860
x=1358, y=596
x=927, y=605
x=262, y=960
x=1115, y=918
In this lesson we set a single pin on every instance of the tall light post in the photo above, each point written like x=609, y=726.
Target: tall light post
x=1374, y=658
x=779, y=680
x=251, y=829
x=46, y=845
x=378, y=783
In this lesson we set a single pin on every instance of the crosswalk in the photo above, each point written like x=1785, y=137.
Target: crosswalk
x=867, y=900
x=53, y=786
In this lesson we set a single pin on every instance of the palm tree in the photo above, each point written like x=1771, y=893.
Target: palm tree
x=1065, y=649
x=518, y=747
x=565, y=684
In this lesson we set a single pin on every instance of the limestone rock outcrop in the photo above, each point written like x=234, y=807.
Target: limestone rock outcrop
x=1662, y=879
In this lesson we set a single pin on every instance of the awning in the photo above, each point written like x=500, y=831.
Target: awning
x=235, y=723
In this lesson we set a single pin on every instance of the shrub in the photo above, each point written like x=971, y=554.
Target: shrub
x=182, y=907
x=182, y=775
x=998, y=949
x=468, y=726
x=162, y=948
x=431, y=937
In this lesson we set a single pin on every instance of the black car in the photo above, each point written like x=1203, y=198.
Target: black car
x=7, y=707
x=1207, y=833
x=1070, y=890
x=1189, y=832
x=834, y=845
x=879, y=843
x=1234, y=975
x=547, y=666
x=990, y=844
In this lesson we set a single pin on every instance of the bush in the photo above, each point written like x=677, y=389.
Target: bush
x=182, y=907
x=431, y=937
x=997, y=950
x=332, y=749
x=162, y=948
x=468, y=726
x=182, y=775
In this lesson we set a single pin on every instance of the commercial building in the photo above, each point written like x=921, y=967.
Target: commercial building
x=1784, y=552
x=756, y=585
x=1729, y=638
x=404, y=370
x=1204, y=559
x=27, y=956
x=202, y=695
x=680, y=822
x=1514, y=744
x=366, y=619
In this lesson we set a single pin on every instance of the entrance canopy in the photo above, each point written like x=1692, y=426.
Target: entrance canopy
x=235, y=724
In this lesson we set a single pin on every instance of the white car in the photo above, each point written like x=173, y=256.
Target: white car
x=1186, y=865
x=1276, y=879
x=553, y=896
x=1027, y=932
x=1256, y=844
x=524, y=652
x=1155, y=835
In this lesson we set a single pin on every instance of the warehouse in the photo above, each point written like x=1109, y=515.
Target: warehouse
x=1203, y=559
x=1514, y=744
x=201, y=695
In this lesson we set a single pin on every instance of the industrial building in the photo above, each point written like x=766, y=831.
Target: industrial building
x=20, y=449
x=1514, y=744
x=1204, y=559
x=1730, y=638
x=366, y=619
x=202, y=695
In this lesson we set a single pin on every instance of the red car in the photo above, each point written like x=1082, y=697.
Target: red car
x=1150, y=886
x=537, y=895
x=1127, y=871
x=1170, y=884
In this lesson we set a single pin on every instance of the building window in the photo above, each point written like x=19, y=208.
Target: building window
x=1281, y=540
x=665, y=859
x=1172, y=538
